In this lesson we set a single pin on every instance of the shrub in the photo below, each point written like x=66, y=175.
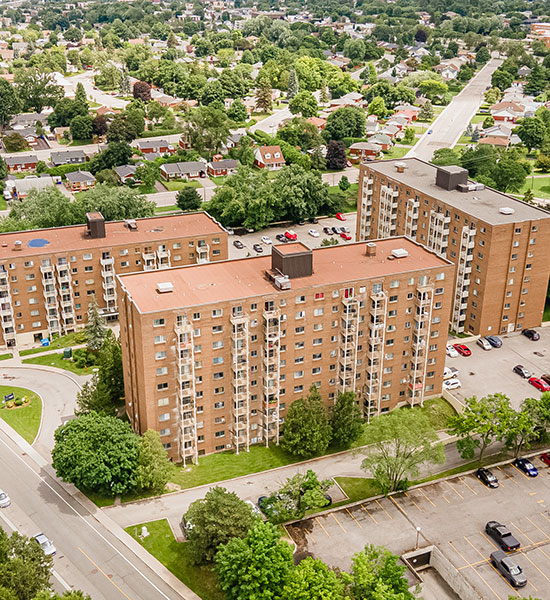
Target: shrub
x=9, y=404
x=18, y=402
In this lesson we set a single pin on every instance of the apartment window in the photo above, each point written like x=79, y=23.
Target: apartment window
x=87, y=256
x=218, y=375
x=299, y=345
x=165, y=431
x=316, y=370
x=389, y=342
x=219, y=404
x=219, y=390
x=317, y=356
x=392, y=313
x=393, y=298
x=217, y=329
x=217, y=312
x=197, y=332
x=163, y=402
x=514, y=257
x=528, y=266
x=318, y=327
x=158, y=322
x=317, y=341
x=319, y=296
x=532, y=241
x=299, y=330
x=300, y=299
x=124, y=252
x=517, y=230
x=217, y=345
x=196, y=316
x=298, y=389
x=162, y=371
x=524, y=291
x=88, y=268
x=394, y=283
x=162, y=386
x=388, y=370
x=37, y=324
x=254, y=306
x=124, y=263
x=164, y=417
x=33, y=301
x=160, y=339
x=29, y=277
x=301, y=314
x=317, y=312
x=298, y=374
x=31, y=288
x=160, y=355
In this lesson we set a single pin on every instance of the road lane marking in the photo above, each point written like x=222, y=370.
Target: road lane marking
x=391, y=518
x=361, y=526
x=464, y=482
x=455, y=491
x=321, y=526
x=103, y=573
x=339, y=524
x=368, y=513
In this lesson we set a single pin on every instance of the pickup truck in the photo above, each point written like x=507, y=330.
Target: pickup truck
x=508, y=568
x=502, y=536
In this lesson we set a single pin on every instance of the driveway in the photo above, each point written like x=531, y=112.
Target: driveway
x=352, y=173
x=452, y=122
x=270, y=125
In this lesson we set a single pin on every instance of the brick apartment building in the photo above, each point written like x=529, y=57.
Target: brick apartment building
x=215, y=354
x=47, y=276
x=497, y=243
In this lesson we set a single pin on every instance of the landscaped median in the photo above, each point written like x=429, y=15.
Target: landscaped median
x=23, y=413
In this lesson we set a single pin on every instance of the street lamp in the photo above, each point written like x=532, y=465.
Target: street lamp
x=417, y=536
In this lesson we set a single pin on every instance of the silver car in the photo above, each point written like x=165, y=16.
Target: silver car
x=483, y=343
x=5, y=500
x=45, y=543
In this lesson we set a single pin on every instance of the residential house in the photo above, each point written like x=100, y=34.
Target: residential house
x=364, y=151
x=223, y=167
x=383, y=140
x=126, y=173
x=68, y=157
x=392, y=131
x=448, y=71
x=20, y=188
x=507, y=111
x=79, y=181
x=183, y=170
x=17, y=164
x=60, y=133
x=29, y=134
x=372, y=126
x=160, y=146
x=397, y=121
x=318, y=122
x=184, y=143
x=269, y=157
x=490, y=140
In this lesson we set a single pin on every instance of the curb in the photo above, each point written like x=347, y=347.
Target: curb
x=50, y=369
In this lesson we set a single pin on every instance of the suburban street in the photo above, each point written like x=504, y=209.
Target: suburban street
x=452, y=122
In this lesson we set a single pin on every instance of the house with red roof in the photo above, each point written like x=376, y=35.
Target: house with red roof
x=269, y=157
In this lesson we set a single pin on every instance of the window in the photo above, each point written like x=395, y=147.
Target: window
x=217, y=360
x=196, y=316
x=160, y=339
x=218, y=375
x=317, y=312
x=298, y=374
x=300, y=299
x=219, y=404
x=301, y=314
x=394, y=283
x=164, y=417
x=299, y=330
x=162, y=386
x=217, y=345
x=219, y=390
x=163, y=402
x=217, y=312
x=393, y=298
x=87, y=256
x=164, y=432
x=158, y=322
x=317, y=341
x=162, y=371
x=160, y=355
x=298, y=389
x=217, y=329
x=319, y=296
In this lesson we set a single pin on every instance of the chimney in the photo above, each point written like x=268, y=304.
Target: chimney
x=371, y=249
x=400, y=166
x=95, y=224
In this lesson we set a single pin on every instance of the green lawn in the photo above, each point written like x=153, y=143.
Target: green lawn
x=358, y=488
x=479, y=118
x=57, y=360
x=396, y=152
x=164, y=209
x=71, y=339
x=218, y=180
x=81, y=142
x=349, y=203
x=539, y=185
x=6, y=356
x=469, y=466
x=175, y=186
x=24, y=419
x=175, y=557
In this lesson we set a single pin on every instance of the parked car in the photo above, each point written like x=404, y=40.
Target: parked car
x=531, y=334
x=450, y=372
x=451, y=351
x=340, y=216
x=291, y=235
x=328, y=230
x=45, y=543
x=5, y=500
x=486, y=477
x=281, y=238
x=495, y=341
x=314, y=220
x=545, y=458
x=345, y=236
x=257, y=248
x=508, y=568
x=344, y=228
x=186, y=525
x=313, y=233
x=452, y=384
x=238, y=244
x=484, y=344
x=526, y=466
x=429, y=132
x=266, y=240
x=255, y=509
x=521, y=371
x=336, y=230
x=538, y=383
x=462, y=349
x=545, y=377
x=502, y=536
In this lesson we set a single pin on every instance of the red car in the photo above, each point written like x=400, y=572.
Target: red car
x=345, y=235
x=538, y=383
x=545, y=458
x=291, y=235
x=340, y=216
x=462, y=349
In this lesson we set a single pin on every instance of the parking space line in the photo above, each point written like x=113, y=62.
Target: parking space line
x=391, y=518
x=489, y=539
x=526, y=476
x=398, y=506
x=522, y=532
x=455, y=491
x=340, y=524
x=535, y=525
x=468, y=564
x=483, y=557
x=464, y=482
x=412, y=500
x=545, y=516
x=425, y=496
x=322, y=526
x=506, y=474
x=445, y=498
x=361, y=526
x=536, y=567
x=368, y=513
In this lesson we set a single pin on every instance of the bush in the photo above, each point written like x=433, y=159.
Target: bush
x=82, y=357
x=9, y=404
x=18, y=402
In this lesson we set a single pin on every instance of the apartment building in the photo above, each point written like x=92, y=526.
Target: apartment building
x=48, y=276
x=496, y=242
x=215, y=354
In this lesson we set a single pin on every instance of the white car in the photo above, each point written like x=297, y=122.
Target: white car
x=266, y=240
x=45, y=543
x=451, y=351
x=451, y=384
x=255, y=509
x=450, y=372
x=313, y=233
x=4, y=500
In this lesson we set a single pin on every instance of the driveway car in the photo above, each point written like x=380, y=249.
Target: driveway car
x=340, y=216
x=502, y=536
x=508, y=568
x=45, y=543
x=495, y=341
x=545, y=458
x=451, y=384
x=313, y=233
x=238, y=244
x=450, y=372
x=462, y=349
x=526, y=466
x=484, y=344
x=538, y=383
x=258, y=248
x=451, y=351
x=521, y=371
x=5, y=500
x=328, y=230
x=531, y=334
x=345, y=236
x=291, y=235
x=486, y=477
x=266, y=240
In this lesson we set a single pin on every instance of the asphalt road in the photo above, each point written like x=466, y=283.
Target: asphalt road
x=89, y=556
x=452, y=122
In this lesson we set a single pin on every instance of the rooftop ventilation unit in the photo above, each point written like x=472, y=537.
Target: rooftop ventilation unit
x=131, y=224
x=400, y=166
x=371, y=249
x=282, y=282
x=17, y=245
x=506, y=210
x=164, y=287
x=399, y=253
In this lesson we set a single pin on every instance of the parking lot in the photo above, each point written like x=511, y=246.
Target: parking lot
x=489, y=372
x=301, y=231
x=451, y=514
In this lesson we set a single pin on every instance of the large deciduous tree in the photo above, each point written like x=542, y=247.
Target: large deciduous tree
x=153, y=467
x=206, y=129
x=188, y=199
x=36, y=89
x=531, y=132
x=313, y=579
x=348, y=121
x=9, y=102
x=142, y=91
x=304, y=103
x=336, y=155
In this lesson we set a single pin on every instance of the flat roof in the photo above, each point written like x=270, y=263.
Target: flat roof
x=480, y=204
x=67, y=239
x=229, y=280
x=292, y=248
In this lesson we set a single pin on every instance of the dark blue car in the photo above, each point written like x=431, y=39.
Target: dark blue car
x=526, y=466
x=495, y=341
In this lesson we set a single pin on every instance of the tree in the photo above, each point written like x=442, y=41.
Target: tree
x=543, y=163
x=114, y=204
x=216, y=519
x=376, y=575
x=124, y=87
x=481, y=423
x=431, y=88
x=80, y=98
x=153, y=467
x=293, y=85
x=120, y=130
x=348, y=121
x=67, y=595
x=306, y=430
x=212, y=92
x=142, y=91
x=509, y=175
x=336, y=155
x=403, y=440
x=536, y=81
x=15, y=142
x=117, y=153
x=36, y=89
x=206, y=128
x=96, y=330
x=501, y=79
x=313, y=579
x=318, y=161
x=531, y=132
x=111, y=375
x=304, y=102
x=409, y=137
x=9, y=102
x=81, y=127
x=97, y=453
x=492, y=95
x=94, y=397
x=188, y=199
x=483, y=55
x=378, y=107
x=346, y=420
x=264, y=101
x=257, y=566
x=445, y=157
x=344, y=183
x=529, y=197
x=237, y=111
x=522, y=427
x=426, y=112
x=488, y=122
x=147, y=173
x=99, y=125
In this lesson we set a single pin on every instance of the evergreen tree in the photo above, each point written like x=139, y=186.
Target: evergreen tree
x=80, y=99
x=293, y=86
x=529, y=196
x=95, y=327
x=346, y=420
x=264, y=101
x=323, y=97
x=317, y=159
x=124, y=87
x=426, y=112
x=536, y=82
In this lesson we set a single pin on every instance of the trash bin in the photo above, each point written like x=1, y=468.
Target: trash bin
x=68, y=353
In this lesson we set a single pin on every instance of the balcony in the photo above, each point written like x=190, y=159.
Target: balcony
x=44, y=269
x=107, y=261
